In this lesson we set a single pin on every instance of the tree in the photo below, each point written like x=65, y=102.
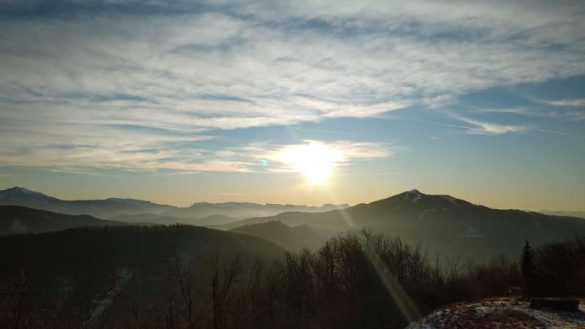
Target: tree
x=527, y=268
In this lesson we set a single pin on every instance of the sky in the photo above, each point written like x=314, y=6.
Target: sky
x=184, y=101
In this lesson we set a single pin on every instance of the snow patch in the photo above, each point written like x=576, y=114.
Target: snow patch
x=124, y=275
x=451, y=199
x=500, y=313
x=413, y=195
x=425, y=212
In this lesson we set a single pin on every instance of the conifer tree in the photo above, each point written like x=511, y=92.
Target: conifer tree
x=527, y=268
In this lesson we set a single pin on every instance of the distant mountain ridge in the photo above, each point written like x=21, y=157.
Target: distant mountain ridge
x=245, y=209
x=19, y=196
x=162, y=219
x=580, y=214
x=131, y=210
x=441, y=223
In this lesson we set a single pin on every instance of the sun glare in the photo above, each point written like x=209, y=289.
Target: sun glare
x=314, y=160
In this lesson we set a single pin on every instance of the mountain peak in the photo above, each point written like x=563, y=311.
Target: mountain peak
x=413, y=195
x=417, y=199
x=17, y=190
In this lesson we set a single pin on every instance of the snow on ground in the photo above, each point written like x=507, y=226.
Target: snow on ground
x=499, y=313
x=450, y=199
x=425, y=212
x=415, y=194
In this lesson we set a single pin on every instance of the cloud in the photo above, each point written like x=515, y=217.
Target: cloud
x=511, y=110
x=569, y=102
x=124, y=83
x=489, y=128
x=173, y=154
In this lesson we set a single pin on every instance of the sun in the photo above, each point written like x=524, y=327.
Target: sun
x=315, y=160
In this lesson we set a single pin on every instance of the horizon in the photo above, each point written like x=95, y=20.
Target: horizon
x=295, y=102
x=292, y=204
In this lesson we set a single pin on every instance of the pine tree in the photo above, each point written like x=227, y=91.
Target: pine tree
x=527, y=268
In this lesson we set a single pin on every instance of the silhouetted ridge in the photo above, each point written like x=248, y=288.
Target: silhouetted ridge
x=141, y=211
x=414, y=199
x=21, y=192
x=445, y=224
x=19, y=220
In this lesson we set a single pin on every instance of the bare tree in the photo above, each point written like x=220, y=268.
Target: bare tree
x=222, y=281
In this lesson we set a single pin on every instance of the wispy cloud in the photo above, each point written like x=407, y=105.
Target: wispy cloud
x=569, y=102
x=125, y=84
x=509, y=110
x=168, y=155
x=489, y=128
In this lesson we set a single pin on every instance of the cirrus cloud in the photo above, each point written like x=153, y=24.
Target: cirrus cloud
x=135, y=86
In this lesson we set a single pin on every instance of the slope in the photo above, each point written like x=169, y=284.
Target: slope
x=18, y=220
x=288, y=237
x=441, y=223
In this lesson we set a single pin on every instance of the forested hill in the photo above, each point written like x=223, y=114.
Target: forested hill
x=19, y=220
x=441, y=223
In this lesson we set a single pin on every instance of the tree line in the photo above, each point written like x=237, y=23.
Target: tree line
x=356, y=280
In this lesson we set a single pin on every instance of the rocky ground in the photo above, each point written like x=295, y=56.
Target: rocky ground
x=500, y=313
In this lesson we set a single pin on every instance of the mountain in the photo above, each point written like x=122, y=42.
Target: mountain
x=244, y=209
x=17, y=220
x=87, y=271
x=140, y=211
x=140, y=247
x=441, y=223
x=18, y=196
x=564, y=213
x=290, y=238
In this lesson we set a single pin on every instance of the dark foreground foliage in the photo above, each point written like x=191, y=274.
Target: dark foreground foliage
x=560, y=269
x=358, y=280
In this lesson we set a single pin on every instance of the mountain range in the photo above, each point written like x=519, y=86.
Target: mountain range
x=19, y=196
x=442, y=224
x=140, y=211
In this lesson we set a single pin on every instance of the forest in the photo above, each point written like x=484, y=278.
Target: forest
x=356, y=280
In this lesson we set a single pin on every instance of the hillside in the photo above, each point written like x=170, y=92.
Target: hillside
x=86, y=274
x=441, y=223
x=108, y=248
x=580, y=214
x=18, y=220
x=288, y=237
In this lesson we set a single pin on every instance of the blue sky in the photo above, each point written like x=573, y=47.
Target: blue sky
x=193, y=100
